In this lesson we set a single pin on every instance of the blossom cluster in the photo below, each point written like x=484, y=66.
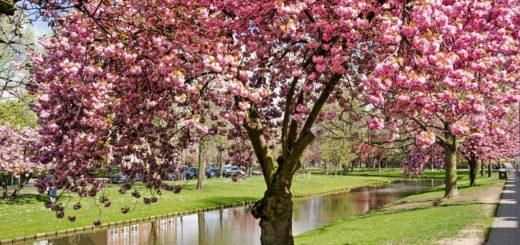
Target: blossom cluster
x=17, y=147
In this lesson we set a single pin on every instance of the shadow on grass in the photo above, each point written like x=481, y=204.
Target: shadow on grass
x=26, y=199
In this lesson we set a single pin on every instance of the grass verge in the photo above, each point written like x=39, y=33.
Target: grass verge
x=425, y=218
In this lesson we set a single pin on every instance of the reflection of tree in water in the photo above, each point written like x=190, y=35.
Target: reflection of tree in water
x=153, y=233
x=220, y=218
x=236, y=225
x=202, y=224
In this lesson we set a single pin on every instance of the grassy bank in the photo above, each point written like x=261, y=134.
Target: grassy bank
x=27, y=216
x=419, y=219
x=395, y=173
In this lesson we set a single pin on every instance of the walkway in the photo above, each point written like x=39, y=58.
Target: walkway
x=505, y=228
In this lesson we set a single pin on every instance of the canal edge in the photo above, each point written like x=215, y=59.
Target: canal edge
x=86, y=229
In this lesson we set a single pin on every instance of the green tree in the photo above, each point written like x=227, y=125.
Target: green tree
x=16, y=40
x=18, y=113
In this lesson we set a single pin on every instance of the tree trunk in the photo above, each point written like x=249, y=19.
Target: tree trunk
x=275, y=213
x=275, y=209
x=202, y=169
x=450, y=165
x=473, y=169
x=21, y=184
x=481, y=168
x=4, y=188
x=327, y=168
x=219, y=174
x=489, y=169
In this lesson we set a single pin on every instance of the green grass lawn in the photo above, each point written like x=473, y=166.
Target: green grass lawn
x=394, y=173
x=28, y=216
x=424, y=223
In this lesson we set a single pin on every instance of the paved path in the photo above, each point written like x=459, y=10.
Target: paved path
x=505, y=228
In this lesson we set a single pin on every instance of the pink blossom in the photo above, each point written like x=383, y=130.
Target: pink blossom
x=331, y=115
x=374, y=123
x=297, y=117
x=458, y=129
x=425, y=139
x=244, y=106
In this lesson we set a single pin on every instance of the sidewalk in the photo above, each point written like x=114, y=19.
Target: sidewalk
x=505, y=229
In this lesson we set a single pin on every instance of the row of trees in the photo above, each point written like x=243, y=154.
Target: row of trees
x=17, y=121
x=15, y=158
x=133, y=84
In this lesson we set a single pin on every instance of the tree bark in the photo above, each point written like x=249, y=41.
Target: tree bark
x=481, y=168
x=275, y=209
x=202, y=169
x=4, y=185
x=219, y=174
x=450, y=165
x=489, y=169
x=473, y=169
x=21, y=184
x=275, y=213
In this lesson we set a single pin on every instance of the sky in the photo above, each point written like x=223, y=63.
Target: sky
x=41, y=28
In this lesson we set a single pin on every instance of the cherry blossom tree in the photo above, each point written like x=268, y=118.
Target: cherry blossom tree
x=495, y=143
x=116, y=77
x=313, y=155
x=16, y=40
x=15, y=157
x=456, y=68
x=418, y=159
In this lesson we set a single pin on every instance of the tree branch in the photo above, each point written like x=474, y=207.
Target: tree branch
x=255, y=131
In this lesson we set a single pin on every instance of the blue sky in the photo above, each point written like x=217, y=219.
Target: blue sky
x=41, y=28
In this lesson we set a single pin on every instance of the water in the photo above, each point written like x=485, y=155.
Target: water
x=237, y=225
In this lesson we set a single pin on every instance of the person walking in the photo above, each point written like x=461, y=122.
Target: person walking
x=53, y=194
x=53, y=191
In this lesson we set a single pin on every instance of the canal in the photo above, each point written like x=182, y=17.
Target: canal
x=237, y=226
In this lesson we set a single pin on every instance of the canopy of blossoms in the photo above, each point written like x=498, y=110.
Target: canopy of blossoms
x=17, y=146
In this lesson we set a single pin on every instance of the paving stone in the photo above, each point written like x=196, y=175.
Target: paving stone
x=506, y=230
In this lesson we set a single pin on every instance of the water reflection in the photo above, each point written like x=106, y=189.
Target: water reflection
x=237, y=225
